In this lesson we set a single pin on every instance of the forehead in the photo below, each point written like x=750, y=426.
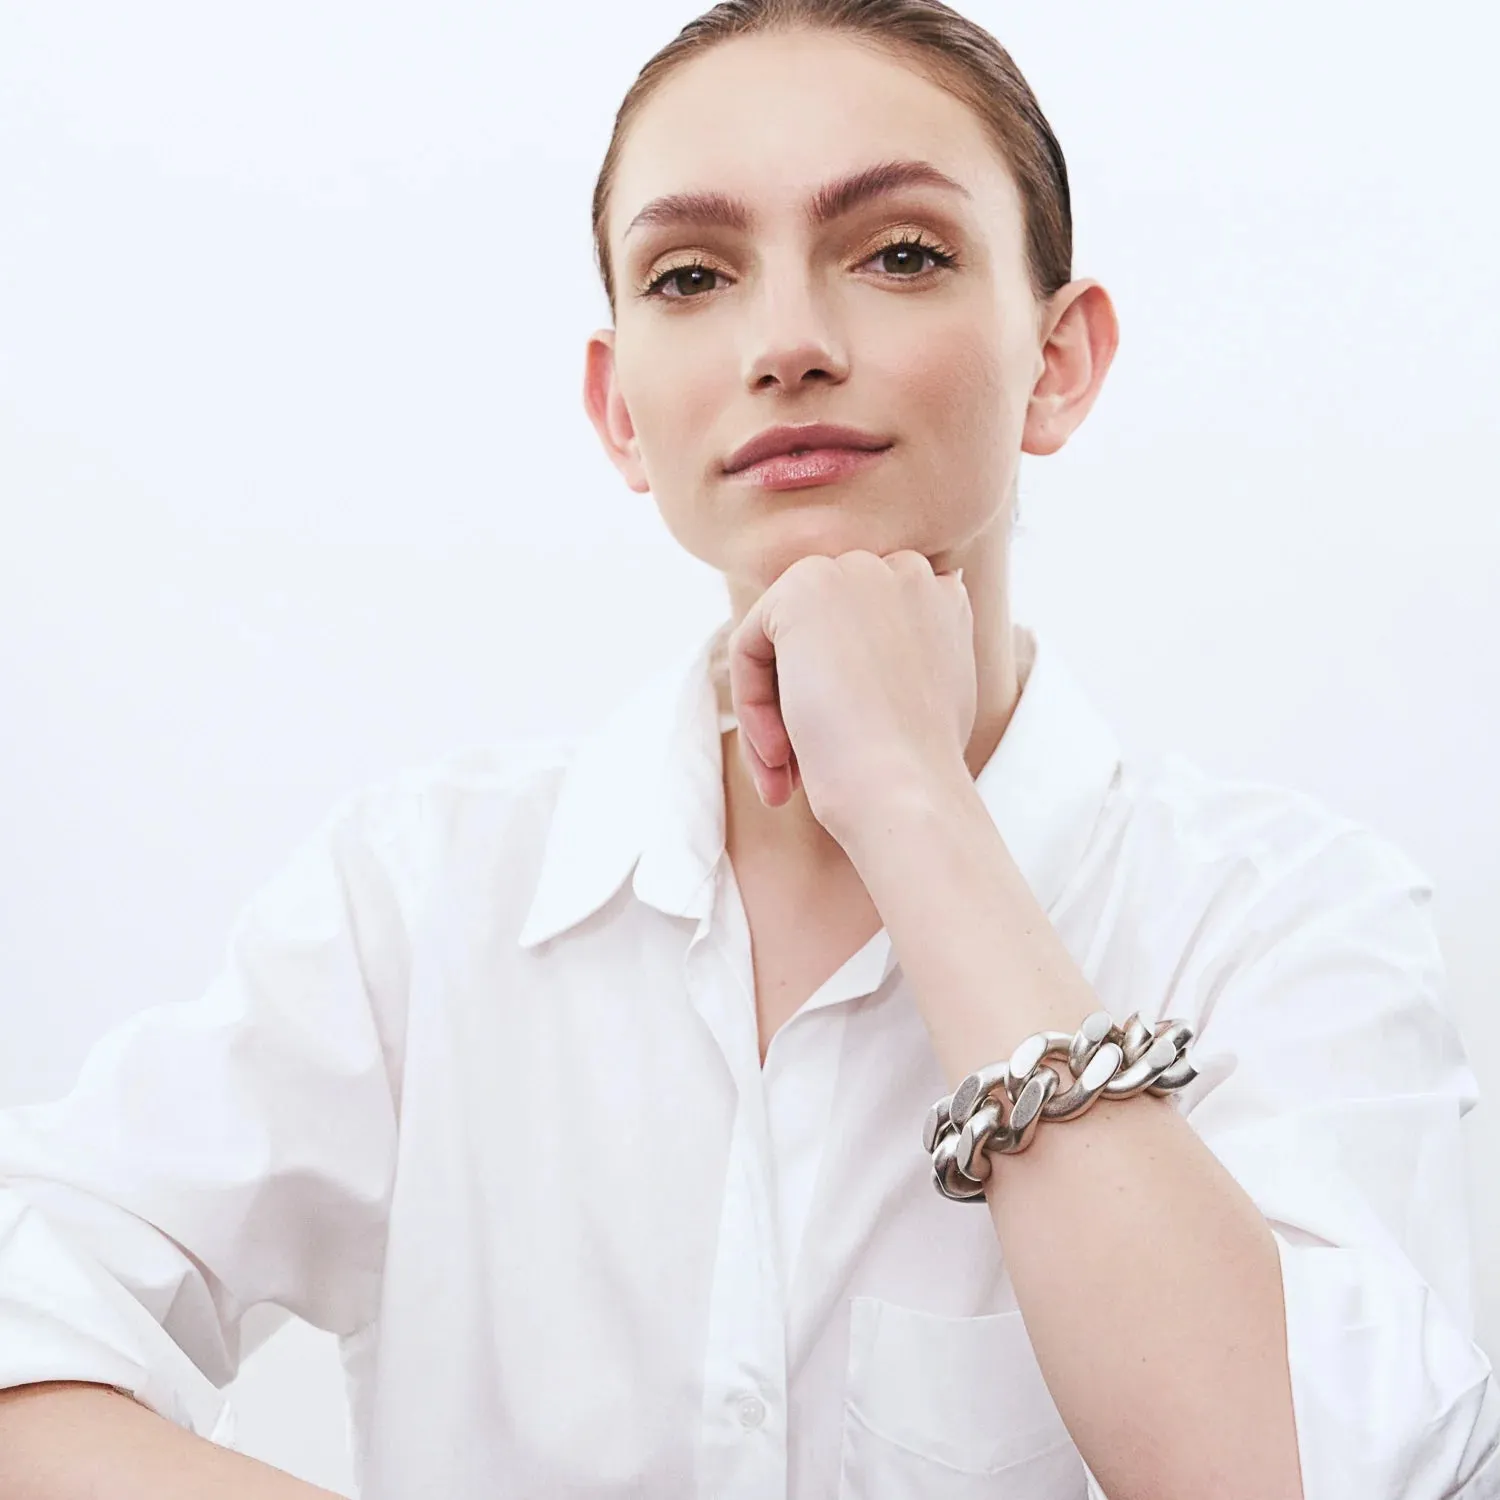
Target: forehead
x=770, y=118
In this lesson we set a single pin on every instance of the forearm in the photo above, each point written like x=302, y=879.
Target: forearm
x=1149, y=1282
x=71, y=1441
x=1152, y=1294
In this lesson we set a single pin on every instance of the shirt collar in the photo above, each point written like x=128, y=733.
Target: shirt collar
x=644, y=792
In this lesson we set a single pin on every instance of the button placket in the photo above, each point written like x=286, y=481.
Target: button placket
x=745, y=1353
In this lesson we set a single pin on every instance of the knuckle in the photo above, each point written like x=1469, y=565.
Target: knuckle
x=814, y=565
x=910, y=564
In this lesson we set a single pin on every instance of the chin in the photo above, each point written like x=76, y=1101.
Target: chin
x=767, y=555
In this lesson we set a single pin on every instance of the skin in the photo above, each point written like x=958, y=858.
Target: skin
x=962, y=367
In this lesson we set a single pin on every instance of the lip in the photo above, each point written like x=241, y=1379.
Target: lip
x=817, y=466
x=776, y=442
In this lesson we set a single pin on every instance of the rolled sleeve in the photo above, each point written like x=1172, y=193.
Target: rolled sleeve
x=1332, y=1084
x=226, y=1152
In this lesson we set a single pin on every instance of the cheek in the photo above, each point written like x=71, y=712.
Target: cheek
x=676, y=397
x=965, y=393
x=675, y=403
x=963, y=397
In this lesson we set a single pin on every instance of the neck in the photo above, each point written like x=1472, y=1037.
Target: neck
x=790, y=835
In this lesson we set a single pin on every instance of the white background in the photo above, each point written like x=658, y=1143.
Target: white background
x=297, y=488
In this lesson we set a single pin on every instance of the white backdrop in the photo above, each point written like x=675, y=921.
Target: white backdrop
x=297, y=486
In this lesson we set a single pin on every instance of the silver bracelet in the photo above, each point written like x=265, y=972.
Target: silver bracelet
x=963, y=1129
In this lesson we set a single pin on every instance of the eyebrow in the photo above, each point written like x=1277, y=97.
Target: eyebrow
x=831, y=201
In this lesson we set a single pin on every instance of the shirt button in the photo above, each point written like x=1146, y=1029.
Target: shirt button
x=752, y=1411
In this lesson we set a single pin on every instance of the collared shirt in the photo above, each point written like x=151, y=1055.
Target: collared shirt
x=478, y=1089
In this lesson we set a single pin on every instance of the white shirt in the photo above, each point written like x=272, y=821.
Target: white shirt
x=478, y=1089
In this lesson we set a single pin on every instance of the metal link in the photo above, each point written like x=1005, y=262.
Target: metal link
x=1093, y=1081
x=966, y=1098
x=1087, y=1041
x=964, y=1128
x=949, y=1178
x=936, y=1124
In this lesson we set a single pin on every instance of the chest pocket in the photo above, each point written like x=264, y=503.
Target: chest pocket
x=940, y=1408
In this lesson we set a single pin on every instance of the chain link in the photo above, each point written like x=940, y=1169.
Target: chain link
x=965, y=1128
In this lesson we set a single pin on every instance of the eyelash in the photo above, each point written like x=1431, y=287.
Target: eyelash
x=945, y=261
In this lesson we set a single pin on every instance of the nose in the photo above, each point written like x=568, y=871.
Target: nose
x=791, y=366
x=791, y=343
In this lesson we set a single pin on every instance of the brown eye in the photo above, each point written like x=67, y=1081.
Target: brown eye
x=900, y=258
x=903, y=258
x=688, y=280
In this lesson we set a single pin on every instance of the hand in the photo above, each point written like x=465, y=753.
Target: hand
x=851, y=675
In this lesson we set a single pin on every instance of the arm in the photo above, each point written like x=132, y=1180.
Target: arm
x=219, y=1154
x=67, y=1441
x=1234, y=1301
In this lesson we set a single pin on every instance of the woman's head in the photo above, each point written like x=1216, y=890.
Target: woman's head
x=938, y=314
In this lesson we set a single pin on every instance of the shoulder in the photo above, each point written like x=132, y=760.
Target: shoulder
x=1223, y=887
x=1257, y=836
x=412, y=820
x=1275, y=924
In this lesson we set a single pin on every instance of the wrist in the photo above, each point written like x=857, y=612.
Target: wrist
x=889, y=814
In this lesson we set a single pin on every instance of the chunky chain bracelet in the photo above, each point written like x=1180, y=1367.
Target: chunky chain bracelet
x=963, y=1129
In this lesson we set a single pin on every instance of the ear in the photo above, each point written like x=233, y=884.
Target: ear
x=1080, y=335
x=606, y=409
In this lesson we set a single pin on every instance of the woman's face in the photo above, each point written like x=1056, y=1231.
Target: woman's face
x=796, y=321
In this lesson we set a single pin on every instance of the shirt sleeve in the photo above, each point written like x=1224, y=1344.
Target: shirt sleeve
x=226, y=1151
x=1332, y=1084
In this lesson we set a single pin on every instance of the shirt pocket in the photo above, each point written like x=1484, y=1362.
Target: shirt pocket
x=950, y=1409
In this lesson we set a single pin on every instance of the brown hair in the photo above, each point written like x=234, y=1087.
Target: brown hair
x=955, y=53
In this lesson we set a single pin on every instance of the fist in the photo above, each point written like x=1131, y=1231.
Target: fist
x=852, y=675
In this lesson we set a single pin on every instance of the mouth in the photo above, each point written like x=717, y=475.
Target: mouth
x=803, y=467
x=799, y=440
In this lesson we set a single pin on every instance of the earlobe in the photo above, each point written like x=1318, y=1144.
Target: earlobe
x=606, y=410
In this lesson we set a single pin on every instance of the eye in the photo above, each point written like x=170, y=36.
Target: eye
x=695, y=269
x=912, y=248
x=692, y=279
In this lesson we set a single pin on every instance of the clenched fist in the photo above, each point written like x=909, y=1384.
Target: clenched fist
x=851, y=675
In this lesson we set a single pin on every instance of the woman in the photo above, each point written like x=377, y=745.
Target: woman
x=584, y=1100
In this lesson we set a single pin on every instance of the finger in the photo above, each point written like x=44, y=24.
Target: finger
x=753, y=691
x=955, y=582
x=774, y=785
x=908, y=560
